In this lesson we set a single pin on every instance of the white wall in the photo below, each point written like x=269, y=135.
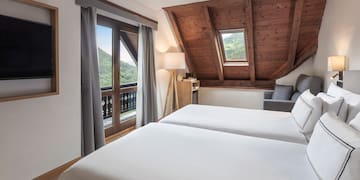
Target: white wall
x=24, y=86
x=37, y=135
x=247, y=98
x=164, y=42
x=339, y=35
x=306, y=68
x=137, y=7
x=231, y=97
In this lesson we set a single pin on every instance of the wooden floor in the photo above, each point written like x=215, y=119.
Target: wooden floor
x=55, y=173
x=119, y=135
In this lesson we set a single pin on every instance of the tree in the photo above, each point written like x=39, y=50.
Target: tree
x=128, y=73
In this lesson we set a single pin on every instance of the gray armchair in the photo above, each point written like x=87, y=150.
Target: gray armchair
x=283, y=97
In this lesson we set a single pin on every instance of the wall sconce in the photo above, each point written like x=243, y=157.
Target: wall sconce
x=337, y=64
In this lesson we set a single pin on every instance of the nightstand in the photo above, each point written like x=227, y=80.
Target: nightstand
x=188, y=92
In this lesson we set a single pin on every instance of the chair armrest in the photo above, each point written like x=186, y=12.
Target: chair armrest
x=268, y=94
x=278, y=105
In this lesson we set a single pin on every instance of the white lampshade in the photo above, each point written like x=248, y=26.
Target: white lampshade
x=174, y=61
x=336, y=63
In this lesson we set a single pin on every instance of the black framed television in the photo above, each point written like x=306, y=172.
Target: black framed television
x=26, y=49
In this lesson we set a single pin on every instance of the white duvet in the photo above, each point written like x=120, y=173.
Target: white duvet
x=162, y=151
x=258, y=123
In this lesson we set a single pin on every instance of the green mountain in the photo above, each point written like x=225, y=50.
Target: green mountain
x=234, y=46
x=128, y=72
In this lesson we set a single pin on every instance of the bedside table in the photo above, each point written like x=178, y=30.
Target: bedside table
x=188, y=92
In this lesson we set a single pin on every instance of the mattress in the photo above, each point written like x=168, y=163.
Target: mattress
x=258, y=123
x=162, y=151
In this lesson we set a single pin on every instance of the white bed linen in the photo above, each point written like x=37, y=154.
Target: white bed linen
x=258, y=123
x=162, y=151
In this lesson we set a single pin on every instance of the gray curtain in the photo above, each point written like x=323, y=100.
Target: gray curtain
x=146, y=101
x=93, y=136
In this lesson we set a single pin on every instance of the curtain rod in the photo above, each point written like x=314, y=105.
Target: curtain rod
x=118, y=10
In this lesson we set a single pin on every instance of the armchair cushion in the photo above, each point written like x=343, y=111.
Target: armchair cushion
x=278, y=105
x=305, y=82
x=282, y=92
x=268, y=94
x=295, y=96
x=283, y=98
x=302, y=83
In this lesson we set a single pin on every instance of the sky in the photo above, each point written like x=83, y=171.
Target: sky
x=104, y=41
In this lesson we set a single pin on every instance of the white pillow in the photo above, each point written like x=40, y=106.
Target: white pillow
x=352, y=100
x=334, y=149
x=336, y=91
x=343, y=112
x=307, y=111
x=353, y=110
x=331, y=104
x=355, y=123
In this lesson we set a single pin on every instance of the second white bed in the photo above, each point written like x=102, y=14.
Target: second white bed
x=162, y=151
x=258, y=123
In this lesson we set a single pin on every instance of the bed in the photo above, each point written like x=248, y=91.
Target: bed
x=161, y=151
x=258, y=123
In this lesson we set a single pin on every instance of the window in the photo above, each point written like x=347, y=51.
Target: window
x=104, y=41
x=117, y=51
x=233, y=45
x=128, y=68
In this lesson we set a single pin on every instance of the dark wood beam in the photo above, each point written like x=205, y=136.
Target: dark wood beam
x=283, y=69
x=215, y=46
x=250, y=39
x=129, y=46
x=180, y=39
x=295, y=32
x=306, y=54
x=309, y=51
x=259, y=84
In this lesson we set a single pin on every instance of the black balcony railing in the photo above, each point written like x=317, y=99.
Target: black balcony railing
x=127, y=99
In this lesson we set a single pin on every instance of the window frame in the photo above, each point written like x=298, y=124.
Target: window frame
x=234, y=62
x=115, y=91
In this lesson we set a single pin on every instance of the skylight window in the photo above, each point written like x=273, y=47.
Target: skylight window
x=233, y=45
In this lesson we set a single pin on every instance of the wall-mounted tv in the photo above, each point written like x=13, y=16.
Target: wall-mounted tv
x=26, y=49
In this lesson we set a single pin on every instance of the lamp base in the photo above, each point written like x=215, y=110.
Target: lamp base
x=172, y=100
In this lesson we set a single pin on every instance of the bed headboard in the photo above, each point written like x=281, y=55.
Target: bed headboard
x=351, y=81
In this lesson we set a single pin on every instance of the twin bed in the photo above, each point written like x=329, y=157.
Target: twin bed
x=206, y=142
x=161, y=151
x=257, y=123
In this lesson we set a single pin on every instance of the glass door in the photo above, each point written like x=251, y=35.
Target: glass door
x=117, y=51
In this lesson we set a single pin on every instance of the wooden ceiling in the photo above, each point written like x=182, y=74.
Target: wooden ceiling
x=280, y=36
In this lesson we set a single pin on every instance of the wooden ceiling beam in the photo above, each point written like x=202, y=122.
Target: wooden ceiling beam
x=259, y=84
x=309, y=51
x=283, y=69
x=295, y=32
x=129, y=46
x=273, y=45
x=215, y=46
x=250, y=39
x=180, y=39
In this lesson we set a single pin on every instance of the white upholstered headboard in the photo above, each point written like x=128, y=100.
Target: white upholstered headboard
x=352, y=81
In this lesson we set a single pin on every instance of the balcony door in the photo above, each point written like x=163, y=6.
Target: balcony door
x=117, y=50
